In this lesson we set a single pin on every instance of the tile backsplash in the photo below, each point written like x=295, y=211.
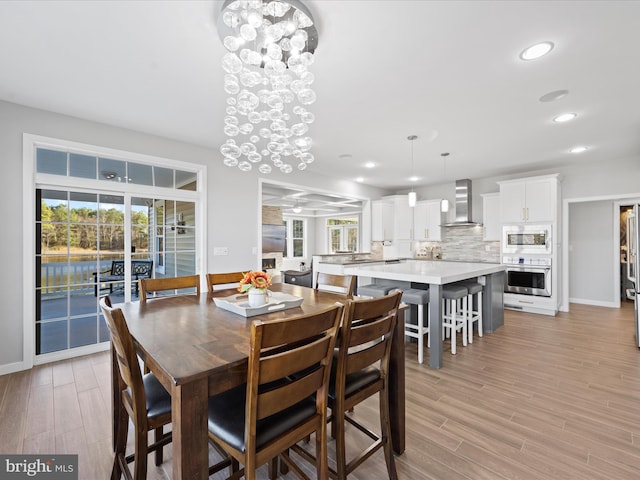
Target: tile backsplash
x=465, y=244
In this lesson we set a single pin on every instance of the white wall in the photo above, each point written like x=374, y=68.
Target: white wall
x=232, y=205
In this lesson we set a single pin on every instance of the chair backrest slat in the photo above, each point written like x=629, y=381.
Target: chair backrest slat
x=214, y=279
x=328, y=282
x=148, y=285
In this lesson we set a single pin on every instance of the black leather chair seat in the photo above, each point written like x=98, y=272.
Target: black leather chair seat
x=354, y=381
x=227, y=418
x=158, y=399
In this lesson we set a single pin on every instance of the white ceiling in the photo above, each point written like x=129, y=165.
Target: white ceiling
x=446, y=71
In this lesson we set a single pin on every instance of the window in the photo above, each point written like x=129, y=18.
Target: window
x=343, y=234
x=100, y=222
x=295, y=238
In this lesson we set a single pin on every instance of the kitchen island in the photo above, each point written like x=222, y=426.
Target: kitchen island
x=435, y=274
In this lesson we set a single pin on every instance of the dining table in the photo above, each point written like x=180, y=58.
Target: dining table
x=197, y=349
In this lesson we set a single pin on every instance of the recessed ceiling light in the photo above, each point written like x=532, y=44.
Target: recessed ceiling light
x=369, y=164
x=359, y=179
x=413, y=179
x=553, y=96
x=536, y=51
x=565, y=117
x=579, y=149
x=345, y=156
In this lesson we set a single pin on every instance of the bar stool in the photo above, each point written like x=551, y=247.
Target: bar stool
x=420, y=298
x=455, y=297
x=473, y=316
x=374, y=290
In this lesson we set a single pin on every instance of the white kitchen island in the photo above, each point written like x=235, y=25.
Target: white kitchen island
x=435, y=274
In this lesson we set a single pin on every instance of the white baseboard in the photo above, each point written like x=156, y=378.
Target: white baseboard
x=13, y=367
x=595, y=303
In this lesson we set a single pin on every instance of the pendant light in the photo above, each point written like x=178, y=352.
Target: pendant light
x=444, y=205
x=412, y=194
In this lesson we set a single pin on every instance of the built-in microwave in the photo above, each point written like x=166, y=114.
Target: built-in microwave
x=526, y=239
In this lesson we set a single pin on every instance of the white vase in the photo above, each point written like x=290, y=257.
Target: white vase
x=257, y=297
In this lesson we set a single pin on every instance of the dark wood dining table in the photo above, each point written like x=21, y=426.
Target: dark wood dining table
x=197, y=349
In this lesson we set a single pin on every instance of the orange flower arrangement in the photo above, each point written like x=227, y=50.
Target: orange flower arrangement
x=259, y=280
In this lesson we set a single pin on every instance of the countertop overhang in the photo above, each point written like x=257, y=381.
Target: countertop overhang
x=426, y=271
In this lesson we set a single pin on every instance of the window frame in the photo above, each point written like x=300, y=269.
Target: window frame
x=290, y=238
x=33, y=180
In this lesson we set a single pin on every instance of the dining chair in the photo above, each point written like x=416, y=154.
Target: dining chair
x=149, y=285
x=361, y=370
x=328, y=282
x=141, y=398
x=285, y=397
x=216, y=279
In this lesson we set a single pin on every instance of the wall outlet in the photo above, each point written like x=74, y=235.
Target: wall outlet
x=220, y=251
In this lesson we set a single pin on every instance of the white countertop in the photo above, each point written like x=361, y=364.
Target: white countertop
x=425, y=271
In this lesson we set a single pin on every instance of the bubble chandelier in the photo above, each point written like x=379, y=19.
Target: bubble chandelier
x=270, y=46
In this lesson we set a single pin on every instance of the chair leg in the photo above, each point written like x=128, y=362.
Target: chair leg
x=159, y=451
x=480, y=313
x=322, y=467
x=122, y=431
x=140, y=452
x=453, y=328
x=339, y=433
x=465, y=321
x=385, y=428
x=420, y=334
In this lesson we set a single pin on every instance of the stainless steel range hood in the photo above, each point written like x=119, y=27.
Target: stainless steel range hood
x=463, y=205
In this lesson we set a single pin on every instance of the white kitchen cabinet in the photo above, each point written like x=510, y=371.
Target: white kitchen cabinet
x=491, y=217
x=529, y=200
x=403, y=218
x=382, y=220
x=427, y=218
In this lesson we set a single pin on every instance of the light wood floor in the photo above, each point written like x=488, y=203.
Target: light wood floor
x=542, y=398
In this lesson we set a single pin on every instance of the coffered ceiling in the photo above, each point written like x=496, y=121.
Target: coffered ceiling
x=446, y=71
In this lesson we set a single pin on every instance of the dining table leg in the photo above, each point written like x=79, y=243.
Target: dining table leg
x=397, y=386
x=435, y=326
x=189, y=427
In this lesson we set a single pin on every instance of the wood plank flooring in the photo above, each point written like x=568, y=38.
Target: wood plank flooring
x=542, y=398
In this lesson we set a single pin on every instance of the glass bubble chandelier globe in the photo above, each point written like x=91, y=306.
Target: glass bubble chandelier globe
x=270, y=47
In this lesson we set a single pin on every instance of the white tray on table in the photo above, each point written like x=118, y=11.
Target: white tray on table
x=239, y=303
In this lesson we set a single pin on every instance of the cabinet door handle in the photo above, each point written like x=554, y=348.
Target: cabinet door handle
x=426, y=233
x=527, y=213
x=522, y=215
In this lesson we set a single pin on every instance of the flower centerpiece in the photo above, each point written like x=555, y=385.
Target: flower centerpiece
x=256, y=285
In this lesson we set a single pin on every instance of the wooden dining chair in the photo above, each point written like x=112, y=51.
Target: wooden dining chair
x=285, y=397
x=215, y=279
x=328, y=282
x=141, y=398
x=361, y=370
x=149, y=285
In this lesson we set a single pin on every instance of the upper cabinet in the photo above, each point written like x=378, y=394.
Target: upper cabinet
x=382, y=220
x=529, y=200
x=403, y=218
x=491, y=216
x=427, y=218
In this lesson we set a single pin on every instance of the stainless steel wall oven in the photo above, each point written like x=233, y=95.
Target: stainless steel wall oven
x=528, y=276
